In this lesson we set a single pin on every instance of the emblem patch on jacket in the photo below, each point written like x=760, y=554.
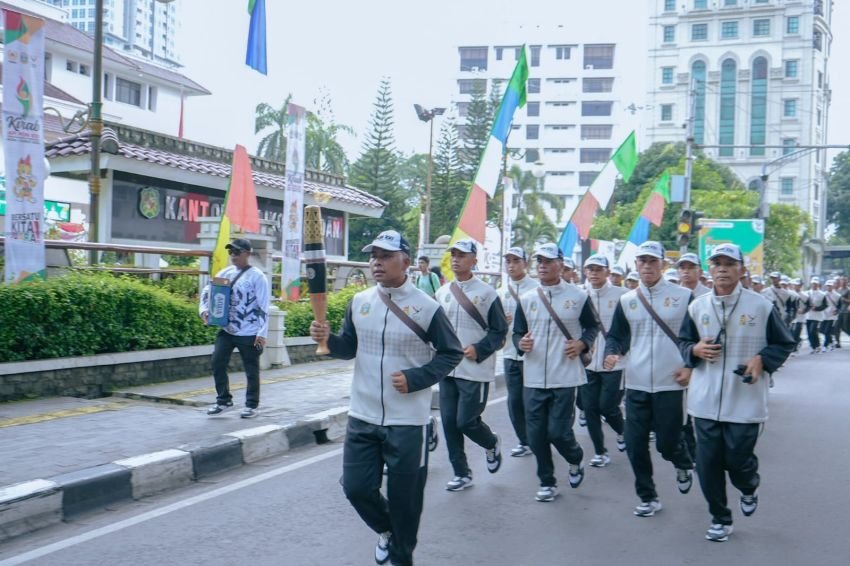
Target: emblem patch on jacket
x=671, y=302
x=747, y=320
x=633, y=304
x=364, y=309
x=705, y=320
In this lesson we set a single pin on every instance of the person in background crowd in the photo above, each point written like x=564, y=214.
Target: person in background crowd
x=671, y=276
x=830, y=315
x=708, y=282
x=690, y=274
x=519, y=282
x=553, y=366
x=655, y=376
x=757, y=284
x=600, y=396
x=568, y=273
x=632, y=280
x=394, y=369
x=776, y=294
x=616, y=276
x=727, y=396
x=426, y=280
x=814, y=315
x=801, y=306
x=246, y=330
x=844, y=311
x=475, y=311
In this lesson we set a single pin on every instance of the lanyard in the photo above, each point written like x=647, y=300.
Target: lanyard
x=725, y=318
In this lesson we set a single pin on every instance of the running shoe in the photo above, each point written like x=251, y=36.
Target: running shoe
x=217, y=409
x=576, y=475
x=459, y=483
x=494, y=456
x=433, y=437
x=600, y=460
x=248, y=413
x=520, y=451
x=648, y=508
x=382, y=548
x=749, y=504
x=547, y=493
x=582, y=420
x=621, y=443
x=718, y=532
x=685, y=479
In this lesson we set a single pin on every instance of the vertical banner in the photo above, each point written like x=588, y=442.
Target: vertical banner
x=293, y=203
x=507, y=220
x=746, y=233
x=23, y=145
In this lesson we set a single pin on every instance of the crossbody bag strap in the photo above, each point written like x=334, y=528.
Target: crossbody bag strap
x=402, y=316
x=597, y=318
x=555, y=318
x=661, y=324
x=235, y=279
x=467, y=305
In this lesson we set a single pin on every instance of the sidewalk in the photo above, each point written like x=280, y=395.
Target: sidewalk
x=67, y=456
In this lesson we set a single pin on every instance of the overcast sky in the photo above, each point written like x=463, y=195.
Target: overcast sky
x=346, y=47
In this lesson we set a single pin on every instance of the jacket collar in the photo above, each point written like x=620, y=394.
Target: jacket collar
x=727, y=300
x=601, y=290
x=657, y=288
x=404, y=291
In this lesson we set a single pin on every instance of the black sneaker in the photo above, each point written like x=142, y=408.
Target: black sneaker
x=382, y=548
x=685, y=479
x=749, y=504
x=218, y=409
x=576, y=475
x=433, y=437
x=582, y=420
x=494, y=456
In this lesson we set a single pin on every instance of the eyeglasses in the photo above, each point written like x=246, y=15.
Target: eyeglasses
x=234, y=252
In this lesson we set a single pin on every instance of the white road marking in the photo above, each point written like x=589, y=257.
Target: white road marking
x=126, y=523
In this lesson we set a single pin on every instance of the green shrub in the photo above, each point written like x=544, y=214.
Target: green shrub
x=299, y=315
x=86, y=314
x=184, y=286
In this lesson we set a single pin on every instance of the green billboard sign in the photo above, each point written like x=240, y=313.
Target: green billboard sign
x=748, y=234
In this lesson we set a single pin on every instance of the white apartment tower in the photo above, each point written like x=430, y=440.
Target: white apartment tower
x=575, y=116
x=144, y=28
x=755, y=73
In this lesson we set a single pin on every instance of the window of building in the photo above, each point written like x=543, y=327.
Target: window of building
x=698, y=75
x=533, y=86
x=562, y=53
x=669, y=34
x=152, y=98
x=820, y=117
x=791, y=68
x=761, y=28
x=728, y=80
x=699, y=32
x=473, y=58
x=666, y=75
x=596, y=108
x=560, y=150
x=600, y=56
x=669, y=5
x=128, y=92
x=532, y=108
x=597, y=85
x=532, y=132
x=792, y=25
x=561, y=80
x=789, y=108
x=586, y=178
x=761, y=1
x=85, y=70
x=559, y=173
x=535, y=55
x=560, y=103
x=788, y=145
x=819, y=7
x=594, y=155
x=462, y=109
x=532, y=155
x=816, y=191
x=758, y=106
x=729, y=30
x=820, y=79
x=730, y=3
x=817, y=40
x=468, y=86
x=72, y=66
x=499, y=53
x=560, y=126
x=107, y=86
x=700, y=4
x=666, y=112
x=597, y=131
x=787, y=186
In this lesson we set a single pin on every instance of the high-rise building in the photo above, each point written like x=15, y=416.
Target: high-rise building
x=755, y=75
x=145, y=28
x=576, y=114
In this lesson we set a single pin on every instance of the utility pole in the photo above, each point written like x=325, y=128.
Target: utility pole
x=689, y=154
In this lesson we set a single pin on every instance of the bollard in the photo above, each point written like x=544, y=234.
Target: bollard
x=275, y=354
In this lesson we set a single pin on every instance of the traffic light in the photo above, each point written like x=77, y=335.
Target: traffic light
x=684, y=227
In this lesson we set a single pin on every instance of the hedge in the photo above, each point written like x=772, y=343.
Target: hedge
x=299, y=315
x=84, y=314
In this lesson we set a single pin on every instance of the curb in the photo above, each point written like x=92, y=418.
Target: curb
x=31, y=505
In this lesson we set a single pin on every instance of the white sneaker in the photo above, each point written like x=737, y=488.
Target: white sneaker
x=520, y=451
x=547, y=493
x=621, y=443
x=684, y=480
x=382, y=548
x=494, y=456
x=648, y=508
x=718, y=532
x=459, y=483
x=576, y=475
x=600, y=460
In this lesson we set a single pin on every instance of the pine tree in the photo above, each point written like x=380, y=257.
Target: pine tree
x=448, y=183
x=476, y=131
x=376, y=172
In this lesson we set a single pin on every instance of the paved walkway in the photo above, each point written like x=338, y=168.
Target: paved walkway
x=46, y=437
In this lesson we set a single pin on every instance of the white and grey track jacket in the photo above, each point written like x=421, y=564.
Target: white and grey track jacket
x=605, y=301
x=817, y=304
x=486, y=342
x=381, y=344
x=520, y=287
x=753, y=326
x=547, y=366
x=653, y=356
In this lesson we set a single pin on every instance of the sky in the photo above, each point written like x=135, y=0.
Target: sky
x=346, y=47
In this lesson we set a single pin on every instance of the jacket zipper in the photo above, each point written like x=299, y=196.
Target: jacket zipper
x=723, y=366
x=381, y=375
x=651, y=350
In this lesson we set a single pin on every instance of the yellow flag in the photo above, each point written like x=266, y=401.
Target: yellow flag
x=220, y=256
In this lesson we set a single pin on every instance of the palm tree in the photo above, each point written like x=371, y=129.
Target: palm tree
x=273, y=145
x=531, y=195
x=324, y=153
x=532, y=230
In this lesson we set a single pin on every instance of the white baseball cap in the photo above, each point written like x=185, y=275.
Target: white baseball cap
x=689, y=257
x=597, y=259
x=465, y=246
x=633, y=276
x=650, y=248
x=550, y=251
x=671, y=275
x=727, y=250
x=517, y=251
x=389, y=240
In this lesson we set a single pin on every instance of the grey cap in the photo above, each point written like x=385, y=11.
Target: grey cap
x=517, y=251
x=671, y=275
x=597, y=259
x=688, y=257
x=465, y=246
x=650, y=248
x=618, y=270
x=389, y=240
x=727, y=250
x=633, y=276
x=550, y=251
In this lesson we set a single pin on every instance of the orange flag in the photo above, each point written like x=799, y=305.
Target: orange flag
x=242, y=200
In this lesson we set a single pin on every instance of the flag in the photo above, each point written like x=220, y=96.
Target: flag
x=623, y=161
x=256, y=54
x=652, y=213
x=240, y=208
x=473, y=215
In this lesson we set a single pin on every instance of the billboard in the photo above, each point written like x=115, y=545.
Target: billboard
x=748, y=234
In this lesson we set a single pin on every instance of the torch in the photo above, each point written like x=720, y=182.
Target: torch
x=317, y=280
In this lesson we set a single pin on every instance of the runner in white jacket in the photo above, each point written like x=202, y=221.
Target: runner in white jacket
x=730, y=337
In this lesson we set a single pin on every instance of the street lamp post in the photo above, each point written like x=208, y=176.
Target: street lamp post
x=539, y=172
x=428, y=116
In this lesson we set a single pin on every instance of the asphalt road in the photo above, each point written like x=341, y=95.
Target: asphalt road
x=291, y=511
